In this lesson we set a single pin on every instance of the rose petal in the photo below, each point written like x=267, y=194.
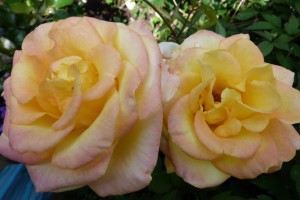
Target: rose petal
x=227, y=42
x=202, y=39
x=284, y=75
x=242, y=145
x=82, y=149
x=167, y=48
x=181, y=129
x=261, y=96
x=199, y=173
x=290, y=109
x=27, y=158
x=264, y=159
x=256, y=124
x=106, y=30
x=48, y=177
x=133, y=159
x=249, y=57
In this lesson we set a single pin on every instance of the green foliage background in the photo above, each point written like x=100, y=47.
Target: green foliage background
x=274, y=25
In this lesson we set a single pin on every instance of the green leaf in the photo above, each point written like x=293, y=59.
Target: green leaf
x=295, y=49
x=62, y=3
x=20, y=8
x=246, y=14
x=297, y=5
x=158, y=3
x=282, y=42
x=264, y=197
x=266, y=47
x=260, y=25
x=266, y=34
x=273, y=19
x=220, y=29
x=295, y=175
x=161, y=182
x=291, y=27
x=211, y=15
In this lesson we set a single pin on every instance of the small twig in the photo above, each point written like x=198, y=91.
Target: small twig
x=237, y=9
x=163, y=18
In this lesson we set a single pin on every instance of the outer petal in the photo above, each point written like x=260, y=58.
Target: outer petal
x=181, y=129
x=242, y=145
x=48, y=177
x=202, y=39
x=290, y=109
x=265, y=159
x=284, y=75
x=227, y=42
x=133, y=159
x=199, y=173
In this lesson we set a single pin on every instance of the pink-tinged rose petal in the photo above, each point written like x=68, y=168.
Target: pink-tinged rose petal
x=227, y=42
x=36, y=137
x=199, y=173
x=148, y=95
x=106, y=30
x=290, y=109
x=265, y=158
x=284, y=136
x=284, y=75
x=261, y=96
x=243, y=145
x=27, y=158
x=29, y=83
x=256, y=124
x=137, y=56
x=38, y=41
x=24, y=114
x=48, y=177
x=133, y=159
x=129, y=80
x=75, y=33
x=109, y=62
x=141, y=28
x=249, y=57
x=78, y=150
x=202, y=39
x=181, y=130
x=169, y=84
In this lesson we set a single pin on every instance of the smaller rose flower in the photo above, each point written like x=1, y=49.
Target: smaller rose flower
x=227, y=112
x=84, y=106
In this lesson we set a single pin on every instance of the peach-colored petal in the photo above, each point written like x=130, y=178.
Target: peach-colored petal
x=109, y=62
x=48, y=177
x=202, y=39
x=106, y=30
x=29, y=82
x=199, y=173
x=133, y=160
x=79, y=150
x=181, y=129
x=38, y=41
x=141, y=28
x=169, y=84
x=265, y=158
x=229, y=128
x=284, y=75
x=284, y=136
x=148, y=95
x=137, y=56
x=262, y=97
x=290, y=109
x=27, y=158
x=242, y=145
x=36, y=137
x=227, y=42
x=249, y=57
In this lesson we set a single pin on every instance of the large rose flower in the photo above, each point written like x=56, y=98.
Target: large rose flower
x=84, y=106
x=227, y=112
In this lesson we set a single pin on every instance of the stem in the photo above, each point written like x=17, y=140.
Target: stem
x=163, y=18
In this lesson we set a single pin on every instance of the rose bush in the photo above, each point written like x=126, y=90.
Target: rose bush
x=227, y=112
x=84, y=106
